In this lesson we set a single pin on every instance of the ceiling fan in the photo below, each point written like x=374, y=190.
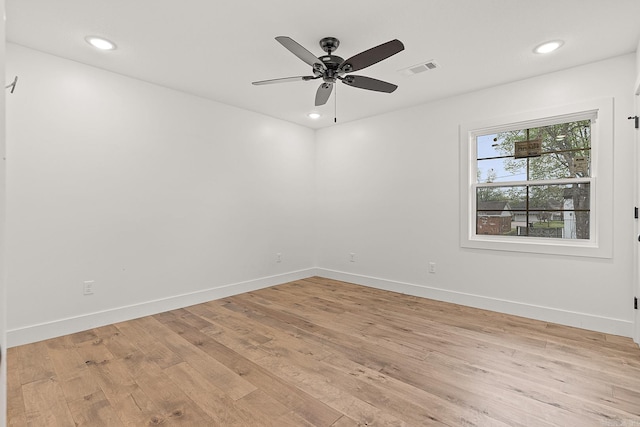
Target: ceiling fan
x=330, y=67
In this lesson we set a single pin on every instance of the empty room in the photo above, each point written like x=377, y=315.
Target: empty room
x=286, y=213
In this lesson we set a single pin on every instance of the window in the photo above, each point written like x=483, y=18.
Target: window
x=542, y=184
x=535, y=182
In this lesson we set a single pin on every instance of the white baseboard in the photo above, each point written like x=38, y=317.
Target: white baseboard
x=56, y=328
x=563, y=317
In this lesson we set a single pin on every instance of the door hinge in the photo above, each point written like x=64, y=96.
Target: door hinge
x=635, y=212
x=635, y=303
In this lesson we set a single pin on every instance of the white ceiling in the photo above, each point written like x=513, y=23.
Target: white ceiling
x=215, y=48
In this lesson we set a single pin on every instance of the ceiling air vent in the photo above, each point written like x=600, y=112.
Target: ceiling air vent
x=420, y=68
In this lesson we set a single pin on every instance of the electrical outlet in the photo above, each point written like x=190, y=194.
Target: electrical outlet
x=432, y=267
x=278, y=257
x=87, y=287
x=352, y=257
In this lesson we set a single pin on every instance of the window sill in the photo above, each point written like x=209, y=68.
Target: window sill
x=539, y=246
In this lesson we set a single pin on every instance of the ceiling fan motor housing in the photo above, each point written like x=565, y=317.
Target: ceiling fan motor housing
x=331, y=62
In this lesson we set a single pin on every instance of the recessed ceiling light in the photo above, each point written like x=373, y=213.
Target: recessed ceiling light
x=548, y=47
x=314, y=115
x=100, y=43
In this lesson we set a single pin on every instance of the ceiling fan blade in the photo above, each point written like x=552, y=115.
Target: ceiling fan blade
x=323, y=93
x=284, y=80
x=302, y=53
x=371, y=56
x=369, y=83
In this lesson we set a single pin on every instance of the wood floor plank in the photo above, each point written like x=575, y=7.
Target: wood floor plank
x=235, y=386
x=173, y=403
x=116, y=342
x=34, y=363
x=320, y=352
x=217, y=404
x=15, y=401
x=94, y=410
x=259, y=402
x=76, y=380
x=135, y=408
x=45, y=404
x=345, y=421
x=154, y=350
x=131, y=404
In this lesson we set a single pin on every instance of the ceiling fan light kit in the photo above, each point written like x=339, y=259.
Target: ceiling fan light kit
x=331, y=68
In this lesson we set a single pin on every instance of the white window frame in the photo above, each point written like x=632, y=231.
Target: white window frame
x=600, y=244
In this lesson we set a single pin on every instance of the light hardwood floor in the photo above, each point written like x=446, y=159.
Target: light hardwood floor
x=319, y=352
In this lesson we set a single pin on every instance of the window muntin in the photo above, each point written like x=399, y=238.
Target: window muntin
x=541, y=188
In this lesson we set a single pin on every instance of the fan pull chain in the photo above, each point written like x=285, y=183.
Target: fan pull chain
x=335, y=105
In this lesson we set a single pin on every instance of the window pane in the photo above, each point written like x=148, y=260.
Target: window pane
x=576, y=205
x=488, y=146
x=558, y=165
x=555, y=211
x=494, y=212
x=557, y=197
x=502, y=170
x=513, y=195
x=543, y=224
x=564, y=152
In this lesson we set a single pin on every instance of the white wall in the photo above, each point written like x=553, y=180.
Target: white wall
x=3, y=301
x=162, y=198
x=388, y=190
